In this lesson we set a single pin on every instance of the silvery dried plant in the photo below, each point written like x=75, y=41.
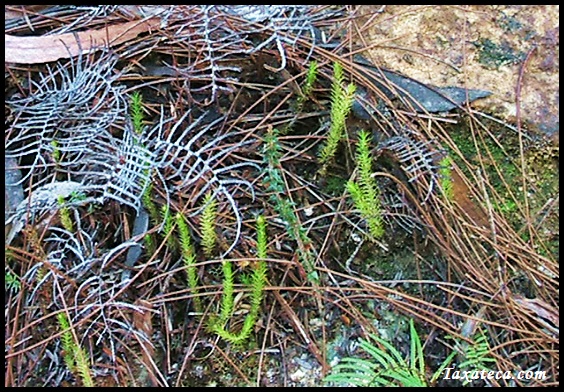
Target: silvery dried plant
x=81, y=113
x=221, y=34
x=418, y=159
x=189, y=156
x=398, y=210
x=280, y=24
x=69, y=107
x=84, y=15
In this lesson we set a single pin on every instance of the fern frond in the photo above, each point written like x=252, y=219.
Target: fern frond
x=189, y=163
x=12, y=281
x=477, y=355
x=65, y=113
x=417, y=358
x=417, y=159
x=387, y=367
x=208, y=224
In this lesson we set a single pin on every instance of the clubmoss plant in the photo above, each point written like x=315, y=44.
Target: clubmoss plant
x=56, y=152
x=188, y=258
x=137, y=118
x=208, y=224
x=341, y=103
x=365, y=193
x=150, y=205
x=168, y=224
x=136, y=104
x=311, y=78
x=75, y=357
x=307, y=89
x=283, y=205
x=64, y=213
x=305, y=94
x=227, y=298
x=258, y=282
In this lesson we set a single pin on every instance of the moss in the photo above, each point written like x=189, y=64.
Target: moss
x=494, y=55
x=510, y=23
x=504, y=160
x=541, y=171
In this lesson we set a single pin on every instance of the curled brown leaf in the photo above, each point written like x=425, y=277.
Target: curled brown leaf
x=47, y=48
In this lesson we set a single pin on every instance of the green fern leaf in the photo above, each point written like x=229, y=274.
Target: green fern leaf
x=387, y=367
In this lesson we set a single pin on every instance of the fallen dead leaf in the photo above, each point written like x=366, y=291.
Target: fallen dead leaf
x=43, y=49
x=18, y=11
